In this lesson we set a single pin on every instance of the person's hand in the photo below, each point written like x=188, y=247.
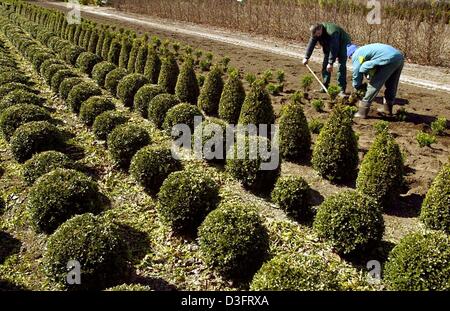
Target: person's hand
x=305, y=61
x=330, y=68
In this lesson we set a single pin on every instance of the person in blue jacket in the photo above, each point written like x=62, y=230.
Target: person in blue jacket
x=382, y=64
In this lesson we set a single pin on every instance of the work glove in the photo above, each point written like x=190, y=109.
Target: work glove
x=330, y=68
x=305, y=61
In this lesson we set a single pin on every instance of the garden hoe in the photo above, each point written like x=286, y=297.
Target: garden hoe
x=321, y=84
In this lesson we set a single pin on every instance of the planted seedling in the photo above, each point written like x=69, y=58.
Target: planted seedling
x=439, y=126
x=425, y=139
x=317, y=105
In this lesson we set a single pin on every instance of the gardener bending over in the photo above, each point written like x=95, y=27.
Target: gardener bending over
x=383, y=65
x=334, y=41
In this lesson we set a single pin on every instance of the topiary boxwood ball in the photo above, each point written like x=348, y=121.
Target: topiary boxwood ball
x=185, y=198
x=113, y=78
x=232, y=98
x=5, y=89
x=181, y=114
x=158, y=107
x=151, y=165
x=296, y=272
x=435, y=213
x=93, y=107
x=86, y=62
x=34, y=137
x=351, y=221
x=381, y=173
x=47, y=64
x=96, y=243
x=14, y=116
x=8, y=77
x=20, y=96
x=67, y=85
x=257, y=107
x=294, y=134
x=187, y=89
x=72, y=54
x=61, y=194
x=210, y=140
x=100, y=71
x=51, y=70
x=292, y=195
x=209, y=98
x=106, y=122
x=246, y=163
x=233, y=240
x=60, y=76
x=128, y=87
x=43, y=163
x=335, y=154
x=419, y=263
x=80, y=93
x=124, y=141
x=144, y=96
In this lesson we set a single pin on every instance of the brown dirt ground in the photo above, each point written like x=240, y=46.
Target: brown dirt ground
x=422, y=107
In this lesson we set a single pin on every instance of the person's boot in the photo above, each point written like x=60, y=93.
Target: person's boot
x=363, y=109
x=387, y=107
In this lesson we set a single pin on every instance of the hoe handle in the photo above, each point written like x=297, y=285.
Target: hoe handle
x=318, y=80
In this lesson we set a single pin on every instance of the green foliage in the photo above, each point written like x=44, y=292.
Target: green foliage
x=168, y=75
x=60, y=76
x=233, y=240
x=8, y=77
x=292, y=195
x=425, y=139
x=93, y=41
x=152, y=65
x=210, y=138
x=43, y=163
x=47, y=72
x=141, y=58
x=318, y=105
x=275, y=88
x=80, y=93
x=14, y=116
x=211, y=91
x=419, y=263
x=59, y=195
x=144, y=96
x=333, y=92
x=93, y=107
x=439, y=126
x=351, y=221
x=315, y=126
x=125, y=52
x=381, y=172
x=133, y=55
x=96, y=243
x=106, y=122
x=129, y=288
x=106, y=44
x=296, y=272
x=113, y=78
x=128, y=87
x=306, y=82
x=187, y=87
x=158, y=107
x=294, y=135
x=381, y=127
x=7, y=88
x=124, y=141
x=86, y=62
x=335, y=154
x=20, y=96
x=232, y=98
x=244, y=163
x=181, y=114
x=72, y=54
x=402, y=114
x=296, y=97
x=100, y=71
x=257, y=107
x=185, y=198
x=250, y=78
x=435, y=213
x=114, y=51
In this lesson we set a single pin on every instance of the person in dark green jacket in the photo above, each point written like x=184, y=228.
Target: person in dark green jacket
x=334, y=41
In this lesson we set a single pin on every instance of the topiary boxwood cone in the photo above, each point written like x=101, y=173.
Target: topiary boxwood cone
x=187, y=88
x=257, y=107
x=209, y=98
x=133, y=55
x=152, y=65
x=125, y=52
x=168, y=75
x=232, y=98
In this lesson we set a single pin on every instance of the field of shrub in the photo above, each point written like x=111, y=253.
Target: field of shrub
x=87, y=174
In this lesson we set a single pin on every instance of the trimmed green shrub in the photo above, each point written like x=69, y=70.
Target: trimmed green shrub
x=152, y=65
x=181, y=114
x=8, y=77
x=187, y=87
x=96, y=243
x=133, y=55
x=244, y=162
x=49, y=71
x=294, y=134
x=5, y=89
x=257, y=107
x=43, y=163
x=72, y=54
x=435, y=212
x=292, y=195
x=335, y=154
x=92, y=47
x=141, y=57
x=113, y=78
x=2, y=206
x=20, y=96
x=232, y=98
x=106, y=44
x=14, y=116
x=210, y=140
x=381, y=172
x=101, y=38
x=233, y=240
x=315, y=126
x=351, y=221
x=129, y=288
x=128, y=87
x=59, y=77
x=80, y=93
x=419, y=262
x=114, y=51
x=185, y=198
x=144, y=96
x=67, y=85
x=93, y=107
x=125, y=52
x=35, y=137
x=106, y=122
x=86, y=62
x=151, y=165
x=100, y=71
x=158, y=107
x=168, y=74
x=39, y=57
x=209, y=98
x=124, y=141
x=296, y=272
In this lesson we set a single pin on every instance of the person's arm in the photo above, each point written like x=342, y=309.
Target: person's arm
x=310, y=47
x=357, y=74
x=369, y=65
x=334, y=47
